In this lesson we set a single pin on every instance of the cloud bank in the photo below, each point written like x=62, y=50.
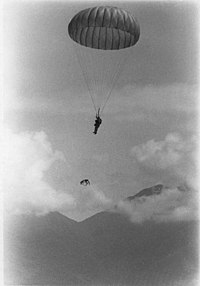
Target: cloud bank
x=173, y=204
x=171, y=160
x=173, y=157
x=92, y=198
x=129, y=103
x=29, y=155
x=27, y=158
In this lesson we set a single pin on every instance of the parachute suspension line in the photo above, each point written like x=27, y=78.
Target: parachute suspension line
x=85, y=78
x=95, y=78
x=115, y=78
x=96, y=38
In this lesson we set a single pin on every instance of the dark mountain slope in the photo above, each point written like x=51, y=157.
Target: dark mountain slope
x=42, y=250
x=105, y=249
x=155, y=190
x=129, y=252
x=102, y=250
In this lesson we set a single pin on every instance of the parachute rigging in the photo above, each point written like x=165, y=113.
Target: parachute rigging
x=102, y=36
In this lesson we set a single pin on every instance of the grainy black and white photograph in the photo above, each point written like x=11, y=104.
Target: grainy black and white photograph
x=100, y=138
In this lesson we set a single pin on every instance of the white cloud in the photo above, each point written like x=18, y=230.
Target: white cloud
x=92, y=198
x=171, y=205
x=173, y=156
x=95, y=198
x=89, y=200
x=27, y=156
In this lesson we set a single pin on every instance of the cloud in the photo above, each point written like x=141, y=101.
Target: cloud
x=129, y=102
x=27, y=156
x=171, y=157
x=176, y=97
x=93, y=198
x=190, y=281
x=54, y=104
x=172, y=204
x=89, y=200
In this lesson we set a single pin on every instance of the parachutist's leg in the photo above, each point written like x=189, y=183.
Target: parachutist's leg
x=95, y=130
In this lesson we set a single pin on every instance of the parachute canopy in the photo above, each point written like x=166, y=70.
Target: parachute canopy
x=85, y=182
x=102, y=37
x=106, y=28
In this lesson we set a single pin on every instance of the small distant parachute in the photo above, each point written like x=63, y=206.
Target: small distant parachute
x=85, y=182
x=102, y=36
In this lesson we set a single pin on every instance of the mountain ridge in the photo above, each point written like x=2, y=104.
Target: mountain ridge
x=104, y=249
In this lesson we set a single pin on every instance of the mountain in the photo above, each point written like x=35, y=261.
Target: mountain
x=142, y=254
x=44, y=250
x=105, y=249
x=155, y=190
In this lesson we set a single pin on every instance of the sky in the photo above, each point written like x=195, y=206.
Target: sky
x=149, y=129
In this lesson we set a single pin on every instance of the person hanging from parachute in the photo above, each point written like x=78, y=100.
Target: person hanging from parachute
x=106, y=30
x=98, y=122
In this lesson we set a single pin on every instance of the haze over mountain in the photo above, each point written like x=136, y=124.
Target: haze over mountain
x=105, y=249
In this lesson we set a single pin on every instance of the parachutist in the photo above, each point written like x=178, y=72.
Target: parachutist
x=97, y=123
